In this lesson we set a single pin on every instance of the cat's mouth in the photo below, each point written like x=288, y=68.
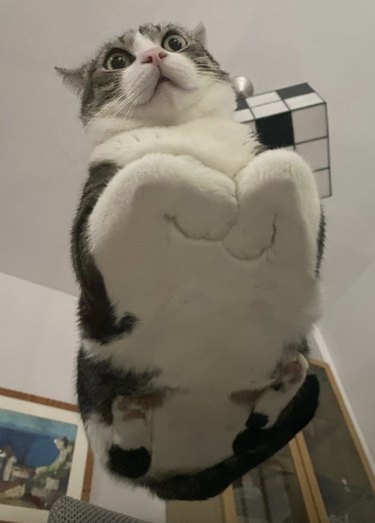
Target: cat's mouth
x=163, y=80
x=163, y=83
x=166, y=82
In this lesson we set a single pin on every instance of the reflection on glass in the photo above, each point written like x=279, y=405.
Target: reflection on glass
x=270, y=493
x=341, y=476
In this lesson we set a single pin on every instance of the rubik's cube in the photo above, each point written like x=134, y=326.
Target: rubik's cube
x=294, y=118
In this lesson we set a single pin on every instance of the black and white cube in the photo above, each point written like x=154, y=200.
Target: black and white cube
x=294, y=118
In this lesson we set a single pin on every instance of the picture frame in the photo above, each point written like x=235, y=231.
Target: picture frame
x=44, y=454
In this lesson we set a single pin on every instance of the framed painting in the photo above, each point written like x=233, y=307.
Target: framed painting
x=44, y=455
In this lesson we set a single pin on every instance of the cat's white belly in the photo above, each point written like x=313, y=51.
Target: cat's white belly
x=209, y=322
x=212, y=325
x=194, y=430
x=202, y=312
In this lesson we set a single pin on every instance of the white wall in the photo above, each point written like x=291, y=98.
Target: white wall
x=38, y=339
x=331, y=44
x=37, y=345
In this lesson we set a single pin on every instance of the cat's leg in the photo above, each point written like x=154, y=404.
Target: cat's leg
x=124, y=444
x=279, y=212
x=116, y=407
x=273, y=401
x=130, y=453
x=268, y=404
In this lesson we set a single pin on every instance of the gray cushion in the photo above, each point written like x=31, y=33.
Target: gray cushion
x=69, y=510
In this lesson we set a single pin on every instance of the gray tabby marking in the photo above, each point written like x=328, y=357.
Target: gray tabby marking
x=95, y=312
x=98, y=88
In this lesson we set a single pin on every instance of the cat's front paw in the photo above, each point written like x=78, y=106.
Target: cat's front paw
x=211, y=208
x=210, y=219
x=265, y=189
x=252, y=235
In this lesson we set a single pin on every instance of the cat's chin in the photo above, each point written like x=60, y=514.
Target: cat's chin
x=163, y=88
x=172, y=104
x=167, y=87
x=168, y=105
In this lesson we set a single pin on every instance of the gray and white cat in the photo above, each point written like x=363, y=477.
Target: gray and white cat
x=197, y=257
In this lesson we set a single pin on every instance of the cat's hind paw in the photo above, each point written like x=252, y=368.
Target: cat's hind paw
x=289, y=380
x=256, y=439
x=128, y=463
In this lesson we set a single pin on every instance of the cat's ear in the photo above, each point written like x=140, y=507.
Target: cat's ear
x=199, y=33
x=75, y=79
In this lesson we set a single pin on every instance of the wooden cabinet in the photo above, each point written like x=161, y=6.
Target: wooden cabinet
x=321, y=476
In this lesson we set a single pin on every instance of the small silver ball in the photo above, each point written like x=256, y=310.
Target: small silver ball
x=243, y=85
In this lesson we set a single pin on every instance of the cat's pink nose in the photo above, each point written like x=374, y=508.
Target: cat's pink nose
x=153, y=56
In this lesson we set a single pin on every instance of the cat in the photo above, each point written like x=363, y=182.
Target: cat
x=197, y=255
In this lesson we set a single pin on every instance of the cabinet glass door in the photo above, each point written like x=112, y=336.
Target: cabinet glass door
x=271, y=493
x=336, y=456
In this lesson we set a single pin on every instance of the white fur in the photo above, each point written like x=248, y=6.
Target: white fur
x=214, y=250
x=218, y=143
x=130, y=433
x=100, y=436
x=272, y=402
x=208, y=103
x=141, y=43
x=210, y=322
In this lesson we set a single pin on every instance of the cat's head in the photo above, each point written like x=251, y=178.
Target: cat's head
x=153, y=75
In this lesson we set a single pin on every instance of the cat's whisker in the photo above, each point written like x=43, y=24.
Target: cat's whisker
x=106, y=111
x=213, y=77
x=131, y=109
x=129, y=100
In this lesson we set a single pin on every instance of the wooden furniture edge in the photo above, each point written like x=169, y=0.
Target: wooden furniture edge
x=352, y=430
x=311, y=478
x=38, y=399
x=87, y=479
x=311, y=508
x=228, y=505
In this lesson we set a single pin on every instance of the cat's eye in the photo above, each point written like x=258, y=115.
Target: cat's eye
x=174, y=43
x=116, y=60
